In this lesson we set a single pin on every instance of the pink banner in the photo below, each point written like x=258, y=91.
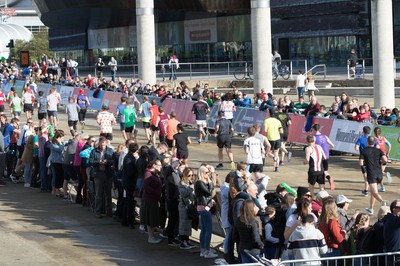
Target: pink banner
x=296, y=129
x=183, y=110
x=113, y=99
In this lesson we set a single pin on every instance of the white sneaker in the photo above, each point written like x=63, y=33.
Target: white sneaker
x=154, y=240
x=202, y=254
x=389, y=178
x=13, y=179
x=210, y=255
x=27, y=185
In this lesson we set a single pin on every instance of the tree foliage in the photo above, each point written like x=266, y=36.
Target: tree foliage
x=38, y=45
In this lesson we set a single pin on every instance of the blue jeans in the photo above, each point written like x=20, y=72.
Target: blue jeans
x=228, y=242
x=27, y=172
x=300, y=91
x=245, y=258
x=44, y=180
x=206, y=229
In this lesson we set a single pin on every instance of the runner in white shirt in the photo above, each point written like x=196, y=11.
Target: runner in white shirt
x=53, y=99
x=228, y=107
x=301, y=84
x=27, y=99
x=254, y=150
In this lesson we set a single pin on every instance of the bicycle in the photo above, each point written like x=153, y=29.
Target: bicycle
x=283, y=71
x=244, y=72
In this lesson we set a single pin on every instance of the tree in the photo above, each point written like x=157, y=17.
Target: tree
x=38, y=45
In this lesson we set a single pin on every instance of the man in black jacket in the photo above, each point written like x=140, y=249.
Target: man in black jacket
x=172, y=179
x=129, y=178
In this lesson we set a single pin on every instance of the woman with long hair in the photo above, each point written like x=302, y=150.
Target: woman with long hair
x=204, y=191
x=186, y=198
x=249, y=231
x=150, y=200
x=304, y=206
x=328, y=224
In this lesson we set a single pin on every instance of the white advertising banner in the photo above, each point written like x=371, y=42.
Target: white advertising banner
x=344, y=134
x=201, y=31
x=65, y=93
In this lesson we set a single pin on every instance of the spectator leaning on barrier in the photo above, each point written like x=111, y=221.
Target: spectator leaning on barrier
x=307, y=242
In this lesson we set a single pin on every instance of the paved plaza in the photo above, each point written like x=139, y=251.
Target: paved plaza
x=39, y=229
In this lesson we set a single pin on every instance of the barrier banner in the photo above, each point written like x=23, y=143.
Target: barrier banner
x=213, y=116
x=19, y=86
x=297, y=134
x=344, y=134
x=95, y=103
x=140, y=99
x=392, y=134
x=182, y=108
x=112, y=99
x=6, y=87
x=244, y=118
x=45, y=87
x=65, y=93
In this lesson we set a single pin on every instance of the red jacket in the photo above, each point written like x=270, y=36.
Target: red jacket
x=333, y=234
x=360, y=117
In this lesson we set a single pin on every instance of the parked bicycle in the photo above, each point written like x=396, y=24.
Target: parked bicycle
x=283, y=71
x=244, y=72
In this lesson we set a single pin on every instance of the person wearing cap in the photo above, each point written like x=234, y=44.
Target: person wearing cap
x=317, y=203
x=346, y=222
x=314, y=157
x=273, y=129
x=373, y=158
x=285, y=120
x=223, y=132
x=106, y=120
x=83, y=103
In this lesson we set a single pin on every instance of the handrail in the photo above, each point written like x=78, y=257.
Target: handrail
x=316, y=73
x=342, y=258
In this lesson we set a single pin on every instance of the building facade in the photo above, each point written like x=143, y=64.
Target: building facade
x=322, y=31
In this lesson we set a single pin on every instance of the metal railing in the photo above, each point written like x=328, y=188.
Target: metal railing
x=318, y=72
x=188, y=71
x=378, y=259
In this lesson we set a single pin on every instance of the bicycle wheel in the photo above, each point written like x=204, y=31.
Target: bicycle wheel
x=285, y=73
x=239, y=73
x=250, y=72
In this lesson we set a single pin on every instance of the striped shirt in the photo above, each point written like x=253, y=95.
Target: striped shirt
x=316, y=157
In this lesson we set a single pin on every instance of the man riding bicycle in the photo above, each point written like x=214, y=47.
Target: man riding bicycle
x=276, y=61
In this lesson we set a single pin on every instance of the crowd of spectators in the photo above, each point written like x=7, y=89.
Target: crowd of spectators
x=168, y=186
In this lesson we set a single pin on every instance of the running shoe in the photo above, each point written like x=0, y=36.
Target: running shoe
x=365, y=192
x=14, y=179
x=233, y=166
x=27, y=185
x=331, y=182
x=383, y=203
x=382, y=189
x=276, y=169
x=210, y=255
x=369, y=211
x=219, y=166
x=190, y=244
x=389, y=178
x=199, y=141
x=281, y=163
x=289, y=156
x=154, y=240
x=184, y=245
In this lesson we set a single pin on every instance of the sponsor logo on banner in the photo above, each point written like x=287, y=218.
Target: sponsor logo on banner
x=344, y=134
x=65, y=93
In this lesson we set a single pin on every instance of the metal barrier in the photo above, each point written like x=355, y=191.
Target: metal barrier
x=188, y=71
x=359, y=70
x=379, y=259
x=318, y=72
